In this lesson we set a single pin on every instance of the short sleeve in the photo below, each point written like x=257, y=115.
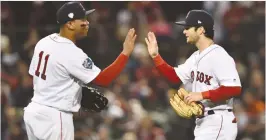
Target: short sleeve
x=82, y=67
x=225, y=71
x=183, y=71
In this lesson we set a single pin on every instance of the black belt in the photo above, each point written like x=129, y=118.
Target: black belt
x=211, y=112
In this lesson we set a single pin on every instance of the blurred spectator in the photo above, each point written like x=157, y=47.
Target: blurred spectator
x=217, y=9
x=160, y=27
x=233, y=16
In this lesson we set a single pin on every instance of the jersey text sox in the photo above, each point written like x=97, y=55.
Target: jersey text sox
x=201, y=77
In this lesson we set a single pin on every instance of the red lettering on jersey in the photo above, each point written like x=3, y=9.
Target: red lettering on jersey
x=207, y=79
x=37, y=73
x=198, y=78
x=201, y=77
x=192, y=75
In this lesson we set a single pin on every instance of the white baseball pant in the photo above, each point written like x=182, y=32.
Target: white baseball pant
x=47, y=123
x=218, y=126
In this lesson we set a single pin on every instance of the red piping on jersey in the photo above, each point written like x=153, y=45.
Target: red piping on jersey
x=222, y=93
x=220, y=128
x=61, y=133
x=111, y=72
x=166, y=70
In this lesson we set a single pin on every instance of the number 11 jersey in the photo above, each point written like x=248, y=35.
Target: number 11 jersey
x=59, y=69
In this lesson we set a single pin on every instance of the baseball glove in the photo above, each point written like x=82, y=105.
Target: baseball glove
x=195, y=109
x=92, y=99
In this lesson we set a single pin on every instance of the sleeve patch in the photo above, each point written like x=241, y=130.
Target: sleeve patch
x=88, y=63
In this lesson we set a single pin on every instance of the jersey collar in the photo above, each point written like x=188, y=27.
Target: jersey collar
x=57, y=38
x=206, y=51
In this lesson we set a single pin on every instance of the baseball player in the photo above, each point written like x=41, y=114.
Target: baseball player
x=60, y=69
x=212, y=73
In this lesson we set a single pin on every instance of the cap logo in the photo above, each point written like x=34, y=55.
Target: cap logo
x=70, y=15
x=199, y=22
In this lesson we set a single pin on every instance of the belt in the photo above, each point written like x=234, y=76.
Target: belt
x=211, y=112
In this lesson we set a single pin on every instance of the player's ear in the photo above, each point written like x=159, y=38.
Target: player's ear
x=70, y=25
x=201, y=30
x=204, y=31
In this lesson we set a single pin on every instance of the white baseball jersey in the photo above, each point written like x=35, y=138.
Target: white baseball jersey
x=209, y=70
x=59, y=69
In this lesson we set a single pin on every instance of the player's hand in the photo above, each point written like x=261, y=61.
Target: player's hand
x=129, y=42
x=193, y=97
x=152, y=44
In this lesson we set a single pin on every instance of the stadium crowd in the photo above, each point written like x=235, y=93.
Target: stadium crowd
x=139, y=108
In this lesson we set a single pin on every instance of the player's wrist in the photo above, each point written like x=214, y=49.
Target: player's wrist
x=205, y=95
x=126, y=53
x=154, y=55
x=158, y=60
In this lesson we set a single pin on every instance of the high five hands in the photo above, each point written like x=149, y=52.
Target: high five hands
x=152, y=44
x=129, y=42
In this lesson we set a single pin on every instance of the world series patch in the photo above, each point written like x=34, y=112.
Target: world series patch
x=88, y=63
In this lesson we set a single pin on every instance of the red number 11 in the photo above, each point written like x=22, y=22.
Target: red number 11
x=37, y=73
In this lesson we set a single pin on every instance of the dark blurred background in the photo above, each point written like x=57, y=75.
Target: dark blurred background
x=139, y=107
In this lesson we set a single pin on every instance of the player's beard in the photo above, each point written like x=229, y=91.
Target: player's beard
x=193, y=39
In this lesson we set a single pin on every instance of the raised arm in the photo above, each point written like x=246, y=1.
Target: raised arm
x=165, y=69
x=106, y=76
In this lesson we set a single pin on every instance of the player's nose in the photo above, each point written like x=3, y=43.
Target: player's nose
x=184, y=31
x=86, y=22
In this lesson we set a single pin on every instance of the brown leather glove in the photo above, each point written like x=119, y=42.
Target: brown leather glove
x=195, y=109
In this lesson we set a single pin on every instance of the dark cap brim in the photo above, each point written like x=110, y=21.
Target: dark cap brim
x=89, y=12
x=183, y=23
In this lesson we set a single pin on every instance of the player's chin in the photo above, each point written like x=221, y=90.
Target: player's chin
x=85, y=32
x=83, y=35
x=188, y=41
